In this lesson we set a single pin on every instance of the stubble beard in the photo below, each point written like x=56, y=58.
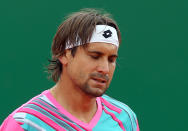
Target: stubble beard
x=87, y=89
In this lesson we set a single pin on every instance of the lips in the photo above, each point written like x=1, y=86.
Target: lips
x=101, y=80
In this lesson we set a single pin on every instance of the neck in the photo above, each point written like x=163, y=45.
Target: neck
x=74, y=100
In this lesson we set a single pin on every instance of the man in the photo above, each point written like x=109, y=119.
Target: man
x=84, y=52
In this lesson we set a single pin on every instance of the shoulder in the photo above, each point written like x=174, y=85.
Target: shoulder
x=24, y=116
x=120, y=105
x=126, y=114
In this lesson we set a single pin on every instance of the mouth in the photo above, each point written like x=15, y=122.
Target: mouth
x=100, y=81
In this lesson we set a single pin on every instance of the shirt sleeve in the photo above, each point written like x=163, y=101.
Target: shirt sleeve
x=10, y=124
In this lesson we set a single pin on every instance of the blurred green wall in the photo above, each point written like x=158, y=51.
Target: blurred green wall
x=151, y=76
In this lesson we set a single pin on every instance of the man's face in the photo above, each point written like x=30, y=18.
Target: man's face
x=91, y=69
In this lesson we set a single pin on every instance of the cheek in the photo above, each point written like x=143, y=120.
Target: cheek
x=112, y=69
x=83, y=73
x=82, y=69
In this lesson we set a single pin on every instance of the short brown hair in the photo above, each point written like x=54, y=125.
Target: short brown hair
x=79, y=24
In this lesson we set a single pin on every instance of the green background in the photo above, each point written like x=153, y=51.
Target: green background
x=151, y=76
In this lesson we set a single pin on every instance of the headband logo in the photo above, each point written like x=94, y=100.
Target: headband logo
x=107, y=33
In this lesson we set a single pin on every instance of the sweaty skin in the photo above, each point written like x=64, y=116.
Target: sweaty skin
x=85, y=76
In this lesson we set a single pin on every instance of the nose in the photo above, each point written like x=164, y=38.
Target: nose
x=103, y=67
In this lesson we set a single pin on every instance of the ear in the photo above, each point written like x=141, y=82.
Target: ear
x=64, y=59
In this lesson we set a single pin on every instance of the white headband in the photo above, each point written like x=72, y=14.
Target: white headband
x=102, y=33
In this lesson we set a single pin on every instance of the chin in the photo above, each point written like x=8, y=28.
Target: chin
x=94, y=91
x=95, y=95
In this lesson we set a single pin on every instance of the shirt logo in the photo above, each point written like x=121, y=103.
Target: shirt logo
x=107, y=33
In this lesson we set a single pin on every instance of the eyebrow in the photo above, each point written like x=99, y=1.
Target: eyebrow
x=100, y=53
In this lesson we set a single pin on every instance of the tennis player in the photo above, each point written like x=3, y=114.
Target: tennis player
x=84, y=53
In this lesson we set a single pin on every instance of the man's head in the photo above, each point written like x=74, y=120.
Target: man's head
x=91, y=70
x=77, y=28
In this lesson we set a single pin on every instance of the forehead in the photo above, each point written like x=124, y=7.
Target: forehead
x=105, y=48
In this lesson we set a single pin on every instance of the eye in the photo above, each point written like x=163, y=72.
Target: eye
x=112, y=59
x=95, y=56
